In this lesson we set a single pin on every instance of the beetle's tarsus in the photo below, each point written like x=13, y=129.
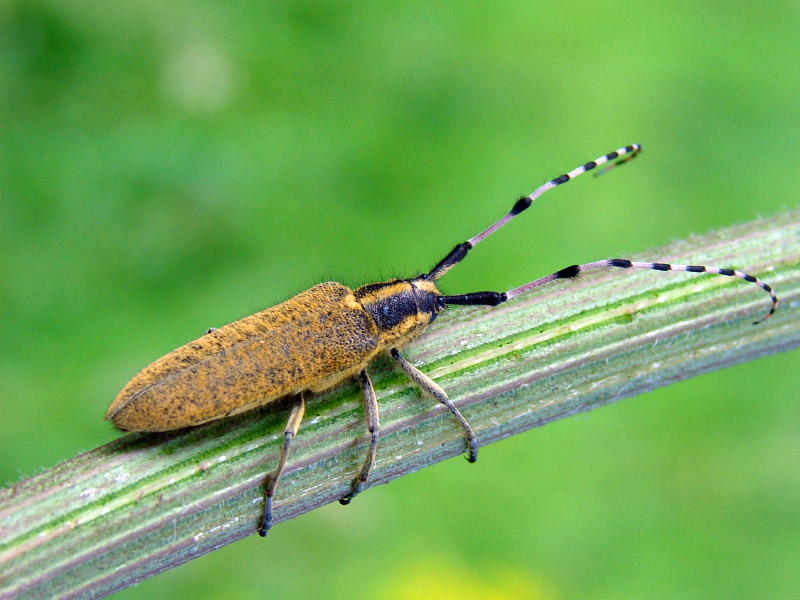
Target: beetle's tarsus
x=473, y=448
x=266, y=520
x=358, y=487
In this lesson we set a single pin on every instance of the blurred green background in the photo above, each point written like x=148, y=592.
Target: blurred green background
x=170, y=166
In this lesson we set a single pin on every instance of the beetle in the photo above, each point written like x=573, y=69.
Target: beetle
x=326, y=334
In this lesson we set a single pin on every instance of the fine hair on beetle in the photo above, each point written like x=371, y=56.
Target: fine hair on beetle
x=328, y=333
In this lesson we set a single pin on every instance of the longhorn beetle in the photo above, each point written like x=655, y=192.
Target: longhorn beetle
x=323, y=335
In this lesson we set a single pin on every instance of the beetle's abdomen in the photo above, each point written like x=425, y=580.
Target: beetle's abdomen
x=309, y=342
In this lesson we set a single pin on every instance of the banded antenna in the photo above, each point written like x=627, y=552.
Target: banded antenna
x=616, y=158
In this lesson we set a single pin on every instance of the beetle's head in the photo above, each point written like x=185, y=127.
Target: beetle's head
x=401, y=308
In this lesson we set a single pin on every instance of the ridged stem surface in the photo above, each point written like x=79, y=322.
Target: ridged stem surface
x=146, y=503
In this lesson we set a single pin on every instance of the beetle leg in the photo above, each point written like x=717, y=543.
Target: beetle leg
x=373, y=424
x=292, y=425
x=430, y=386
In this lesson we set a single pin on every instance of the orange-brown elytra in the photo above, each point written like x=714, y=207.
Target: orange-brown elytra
x=323, y=335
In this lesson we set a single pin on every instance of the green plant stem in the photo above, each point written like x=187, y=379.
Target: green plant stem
x=146, y=503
